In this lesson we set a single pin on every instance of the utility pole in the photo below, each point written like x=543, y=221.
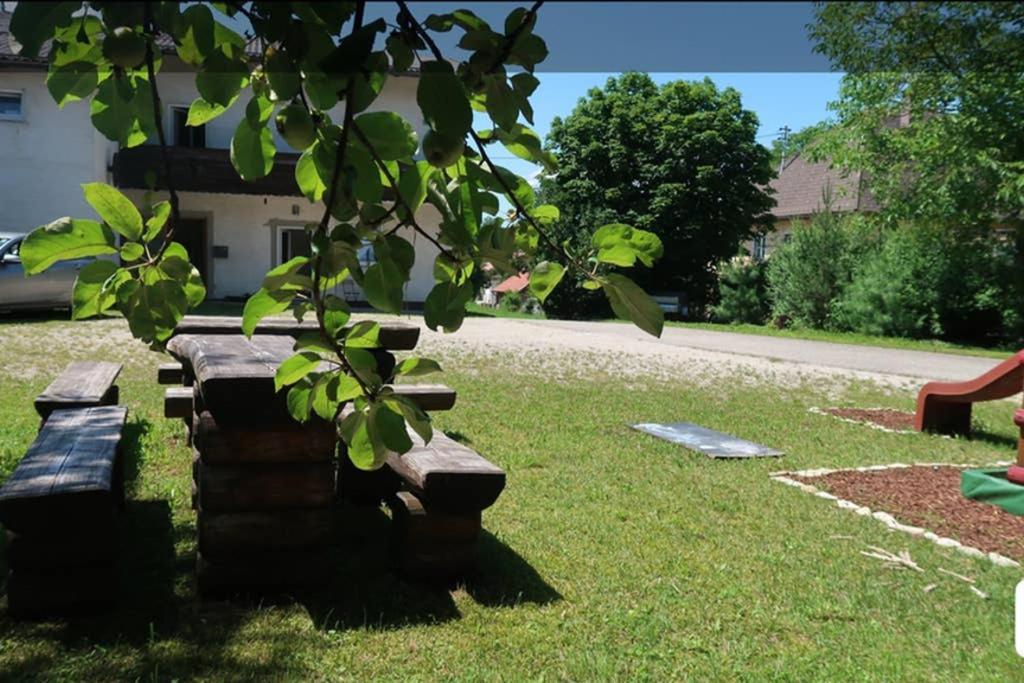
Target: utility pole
x=784, y=132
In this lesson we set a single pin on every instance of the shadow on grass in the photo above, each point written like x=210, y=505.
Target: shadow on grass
x=504, y=579
x=131, y=444
x=993, y=439
x=40, y=316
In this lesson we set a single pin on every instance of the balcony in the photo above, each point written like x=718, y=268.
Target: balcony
x=202, y=170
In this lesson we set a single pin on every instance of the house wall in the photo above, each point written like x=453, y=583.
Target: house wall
x=48, y=156
x=781, y=230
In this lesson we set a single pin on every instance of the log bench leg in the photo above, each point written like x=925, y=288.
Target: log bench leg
x=429, y=544
x=946, y=417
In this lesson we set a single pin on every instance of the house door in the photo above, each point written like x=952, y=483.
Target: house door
x=191, y=233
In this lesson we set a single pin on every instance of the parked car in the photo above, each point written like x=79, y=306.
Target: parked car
x=49, y=289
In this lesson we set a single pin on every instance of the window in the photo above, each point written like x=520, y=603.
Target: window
x=294, y=242
x=11, y=106
x=366, y=255
x=185, y=135
x=760, y=247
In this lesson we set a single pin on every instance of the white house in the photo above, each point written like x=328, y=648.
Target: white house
x=234, y=231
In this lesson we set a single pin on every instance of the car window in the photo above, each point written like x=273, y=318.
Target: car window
x=15, y=249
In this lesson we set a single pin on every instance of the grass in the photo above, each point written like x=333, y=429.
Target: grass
x=475, y=309
x=934, y=345
x=610, y=556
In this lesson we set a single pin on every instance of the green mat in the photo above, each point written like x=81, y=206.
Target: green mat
x=992, y=486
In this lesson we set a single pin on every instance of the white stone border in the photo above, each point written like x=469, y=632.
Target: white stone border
x=821, y=411
x=887, y=518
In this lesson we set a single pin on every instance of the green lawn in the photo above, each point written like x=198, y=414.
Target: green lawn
x=475, y=309
x=610, y=556
x=853, y=338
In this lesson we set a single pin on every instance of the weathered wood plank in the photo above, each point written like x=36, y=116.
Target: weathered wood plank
x=428, y=397
x=225, y=488
x=235, y=375
x=81, y=384
x=395, y=336
x=280, y=442
x=448, y=476
x=69, y=470
x=223, y=536
x=432, y=546
x=170, y=373
x=178, y=402
x=263, y=571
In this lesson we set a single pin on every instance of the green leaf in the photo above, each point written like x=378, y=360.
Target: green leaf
x=336, y=314
x=414, y=415
x=526, y=144
x=365, y=449
x=221, y=79
x=73, y=81
x=622, y=245
x=114, y=208
x=401, y=54
x=252, y=151
x=445, y=306
x=280, y=276
x=89, y=297
x=195, y=290
x=382, y=284
x=388, y=133
x=298, y=400
x=156, y=222
x=258, y=111
x=132, y=251
x=282, y=75
x=197, y=38
x=307, y=177
x=412, y=186
x=502, y=105
x=363, y=335
x=544, y=278
x=33, y=23
x=323, y=400
x=443, y=100
x=390, y=425
x=62, y=240
x=295, y=368
x=629, y=302
x=413, y=367
x=261, y=304
x=113, y=112
x=201, y=112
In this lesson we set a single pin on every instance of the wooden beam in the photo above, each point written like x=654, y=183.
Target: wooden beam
x=170, y=373
x=178, y=402
x=81, y=384
x=428, y=397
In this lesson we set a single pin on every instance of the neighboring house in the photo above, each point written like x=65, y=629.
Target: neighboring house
x=234, y=231
x=805, y=187
x=516, y=283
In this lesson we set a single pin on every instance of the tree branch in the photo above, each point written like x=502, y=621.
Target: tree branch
x=158, y=121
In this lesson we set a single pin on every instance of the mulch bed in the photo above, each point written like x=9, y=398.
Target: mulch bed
x=929, y=497
x=898, y=420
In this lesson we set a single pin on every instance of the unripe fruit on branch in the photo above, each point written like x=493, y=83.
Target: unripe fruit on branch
x=124, y=47
x=442, y=150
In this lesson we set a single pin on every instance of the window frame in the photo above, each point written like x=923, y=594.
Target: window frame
x=20, y=116
x=171, y=128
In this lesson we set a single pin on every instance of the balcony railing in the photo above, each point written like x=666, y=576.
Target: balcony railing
x=201, y=170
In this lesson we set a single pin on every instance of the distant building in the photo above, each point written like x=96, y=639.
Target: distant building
x=801, y=190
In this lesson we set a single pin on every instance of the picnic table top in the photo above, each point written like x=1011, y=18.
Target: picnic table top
x=395, y=336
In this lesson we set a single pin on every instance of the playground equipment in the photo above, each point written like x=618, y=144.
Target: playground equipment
x=945, y=407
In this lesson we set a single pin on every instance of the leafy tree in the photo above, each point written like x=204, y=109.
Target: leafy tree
x=796, y=142
x=742, y=294
x=930, y=106
x=679, y=160
x=363, y=168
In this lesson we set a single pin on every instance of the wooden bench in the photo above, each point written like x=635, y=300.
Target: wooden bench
x=436, y=517
x=59, y=507
x=393, y=336
x=170, y=373
x=82, y=384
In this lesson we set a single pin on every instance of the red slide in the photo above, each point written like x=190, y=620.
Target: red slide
x=945, y=407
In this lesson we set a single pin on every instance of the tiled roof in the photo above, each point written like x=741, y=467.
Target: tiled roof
x=516, y=283
x=801, y=188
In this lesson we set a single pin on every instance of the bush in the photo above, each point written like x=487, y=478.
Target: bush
x=569, y=301
x=956, y=285
x=511, y=301
x=807, y=275
x=743, y=297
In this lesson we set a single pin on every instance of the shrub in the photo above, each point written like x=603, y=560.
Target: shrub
x=743, y=297
x=807, y=274
x=935, y=282
x=510, y=301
